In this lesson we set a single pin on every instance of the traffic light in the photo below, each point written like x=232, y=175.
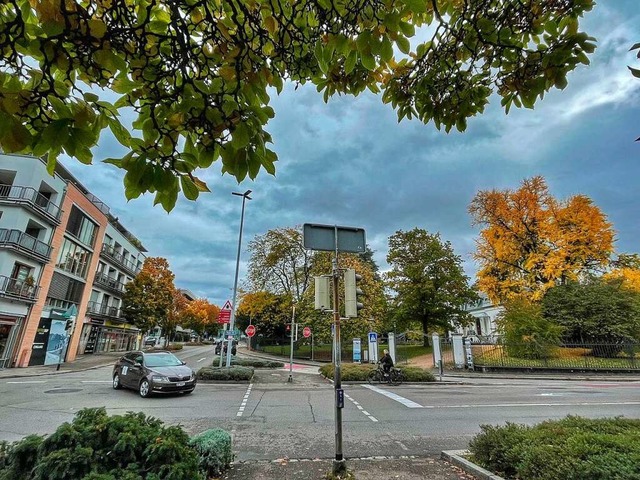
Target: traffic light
x=69, y=325
x=351, y=293
x=322, y=301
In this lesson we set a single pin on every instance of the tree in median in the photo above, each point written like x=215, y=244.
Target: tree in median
x=149, y=298
x=531, y=241
x=428, y=281
x=198, y=73
x=269, y=312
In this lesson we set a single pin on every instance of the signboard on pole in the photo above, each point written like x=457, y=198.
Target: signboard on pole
x=306, y=332
x=373, y=347
x=357, y=350
x=323, y=237
x=224, y=316
x=250, y=331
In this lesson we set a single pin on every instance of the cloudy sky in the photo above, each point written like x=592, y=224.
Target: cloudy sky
x=351, y=163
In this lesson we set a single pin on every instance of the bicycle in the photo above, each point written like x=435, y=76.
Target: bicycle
x=394, y=377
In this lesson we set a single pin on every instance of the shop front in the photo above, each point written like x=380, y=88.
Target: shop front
x=100, y=336
x=9, y=328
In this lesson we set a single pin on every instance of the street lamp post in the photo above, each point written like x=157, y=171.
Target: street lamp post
x=245, y=196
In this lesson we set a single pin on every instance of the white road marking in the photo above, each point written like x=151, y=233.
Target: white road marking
x=371, y=417
x=203, y=358
x=559, y=404
x=243, y=405
x=32, y=381
x=394, y=396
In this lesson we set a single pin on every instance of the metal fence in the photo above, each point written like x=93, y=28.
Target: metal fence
x=582, y=356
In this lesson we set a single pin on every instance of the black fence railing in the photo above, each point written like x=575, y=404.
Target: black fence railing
x=37, y=200
x=103, y=310
x=112, y=253
x=587, y=356
x=108, y=282
x=19, y=289
x=25, y=243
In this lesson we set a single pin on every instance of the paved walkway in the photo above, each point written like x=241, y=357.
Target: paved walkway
x=410, y=468
x=83, y=362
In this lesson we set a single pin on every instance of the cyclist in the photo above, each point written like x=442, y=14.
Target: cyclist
x=387, y=362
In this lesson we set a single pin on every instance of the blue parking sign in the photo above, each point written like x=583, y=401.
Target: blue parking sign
x=373, y=337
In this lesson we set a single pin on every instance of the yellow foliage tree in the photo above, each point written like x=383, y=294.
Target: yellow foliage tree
x=531, y=241
x=200, y=315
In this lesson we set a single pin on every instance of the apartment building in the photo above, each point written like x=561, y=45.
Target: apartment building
x=64, y=260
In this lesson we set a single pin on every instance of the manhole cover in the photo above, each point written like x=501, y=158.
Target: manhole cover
x=64, y=390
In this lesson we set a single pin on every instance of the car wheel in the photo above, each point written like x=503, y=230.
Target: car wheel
x=116, y=382
x=145, y=388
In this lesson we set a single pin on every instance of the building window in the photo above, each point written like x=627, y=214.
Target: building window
x=81, y=227
x=74, y=259
x=64, y=291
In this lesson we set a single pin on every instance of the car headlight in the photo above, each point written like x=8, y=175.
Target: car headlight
x=160, y=378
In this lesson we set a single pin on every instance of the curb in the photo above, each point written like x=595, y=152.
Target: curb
x=59, y=372
x=455, y=457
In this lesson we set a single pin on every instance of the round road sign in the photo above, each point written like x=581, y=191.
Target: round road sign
x=250, y=331
x=306, y=332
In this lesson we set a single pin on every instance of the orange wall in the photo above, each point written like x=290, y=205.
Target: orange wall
x=73, y=196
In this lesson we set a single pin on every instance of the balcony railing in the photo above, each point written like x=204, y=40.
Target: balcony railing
x=103, y=310
x=111, y=252
x=25, y=243
x=33, y=198
x=18, y=289
x=108, y=282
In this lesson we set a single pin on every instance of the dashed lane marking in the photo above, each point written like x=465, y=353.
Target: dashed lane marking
x=32, y=381
x=394, y=396
x=359, y=407
x=203, y=358
x=243, y=405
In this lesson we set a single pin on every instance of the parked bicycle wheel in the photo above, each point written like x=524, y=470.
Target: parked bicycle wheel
x=374, y=377
x=396, y=378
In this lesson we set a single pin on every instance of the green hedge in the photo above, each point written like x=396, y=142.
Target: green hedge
x=359, y=373
x=249, y=362
x=100, y=447
x=574, y=448
x=174, y=347
x=234, y=373
x=214, y=448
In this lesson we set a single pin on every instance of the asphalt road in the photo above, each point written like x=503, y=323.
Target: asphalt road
x=273, y=419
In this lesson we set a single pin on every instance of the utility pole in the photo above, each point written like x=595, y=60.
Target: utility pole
x=293, y=327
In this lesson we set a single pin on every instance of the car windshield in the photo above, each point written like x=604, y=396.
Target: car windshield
x=161, y=360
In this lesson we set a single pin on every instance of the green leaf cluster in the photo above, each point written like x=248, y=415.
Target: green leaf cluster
x=198, y=75
x=97, y=446
x=573, y=448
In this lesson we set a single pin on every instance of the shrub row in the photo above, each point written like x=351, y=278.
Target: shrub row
x=233, y=373
x=172, y=347
x=574, y=448
x=359, y=373
x=250, y=362
x=95, y=446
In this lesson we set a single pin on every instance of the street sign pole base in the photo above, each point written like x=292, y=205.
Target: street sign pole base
x=290, y=379
x=339, y=467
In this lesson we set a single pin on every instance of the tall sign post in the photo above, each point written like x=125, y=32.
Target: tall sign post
x=224, y=317
x=293, y=332
x=336, y=239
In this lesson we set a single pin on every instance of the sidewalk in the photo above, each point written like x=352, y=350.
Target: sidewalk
x=409, y=468
x=82, y=363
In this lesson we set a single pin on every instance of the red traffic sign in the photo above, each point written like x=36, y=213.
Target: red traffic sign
x=250, y=331
x=224, y=316
x=306, y=332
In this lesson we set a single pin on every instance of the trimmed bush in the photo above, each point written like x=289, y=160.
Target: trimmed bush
x=214, y=448
x=233, y=373
x=250, y=362
x=358, y=373
x=574, y=448
x=173, y=347
x=95, y=446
